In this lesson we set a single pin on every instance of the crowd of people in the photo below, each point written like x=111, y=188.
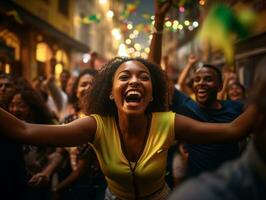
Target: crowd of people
x=132, y=130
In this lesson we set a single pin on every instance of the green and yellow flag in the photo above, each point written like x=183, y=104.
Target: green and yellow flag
x=223, y=27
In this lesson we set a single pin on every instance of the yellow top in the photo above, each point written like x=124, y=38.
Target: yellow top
x=150, y=169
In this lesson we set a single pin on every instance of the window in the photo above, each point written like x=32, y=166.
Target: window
x=43, y=56
x=11, y=40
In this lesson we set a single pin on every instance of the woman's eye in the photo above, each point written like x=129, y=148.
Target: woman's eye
x=145, y=78
x=123, y=77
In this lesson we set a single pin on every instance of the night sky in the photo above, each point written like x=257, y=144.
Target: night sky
x=145, y=6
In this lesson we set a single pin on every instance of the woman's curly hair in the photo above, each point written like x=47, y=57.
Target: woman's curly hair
x=97, y=100
x=40, y=113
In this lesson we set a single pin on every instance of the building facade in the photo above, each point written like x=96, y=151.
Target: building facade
x=46, y=36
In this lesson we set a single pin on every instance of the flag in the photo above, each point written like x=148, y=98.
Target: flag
x=223, y=27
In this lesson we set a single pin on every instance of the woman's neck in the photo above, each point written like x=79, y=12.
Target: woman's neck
x=132, y=125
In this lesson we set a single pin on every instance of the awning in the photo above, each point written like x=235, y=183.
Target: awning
x=45, y=27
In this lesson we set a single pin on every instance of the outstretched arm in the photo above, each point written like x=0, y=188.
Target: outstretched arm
x=77, y=132
x=192, y=131
x=161, y=9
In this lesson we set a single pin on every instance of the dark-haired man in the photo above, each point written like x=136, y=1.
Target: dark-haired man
x=207, y=108
x=7, y=90
x=243, y=178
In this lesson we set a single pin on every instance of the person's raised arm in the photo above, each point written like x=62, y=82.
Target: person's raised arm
x=77, y=132
x=227, y=77
x=161, y=8
x=192, y=59
x=57, y=94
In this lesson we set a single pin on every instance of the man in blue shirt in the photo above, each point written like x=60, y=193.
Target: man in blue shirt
x=207, y=108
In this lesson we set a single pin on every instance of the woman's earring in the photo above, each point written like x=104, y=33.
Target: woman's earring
x=111, y=97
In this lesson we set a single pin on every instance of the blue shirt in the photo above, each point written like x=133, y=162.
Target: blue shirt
x=205, y=157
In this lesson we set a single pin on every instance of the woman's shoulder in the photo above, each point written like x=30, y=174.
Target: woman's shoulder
x=103, y=121
x=165, y=116
x=163, y=113
x=101, y=117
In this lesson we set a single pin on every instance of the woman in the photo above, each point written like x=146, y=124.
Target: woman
x=236, y=91
x=86, y=180
x=130, y=128
x=28, y=105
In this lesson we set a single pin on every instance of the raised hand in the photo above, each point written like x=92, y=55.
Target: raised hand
x=162, y=7
x=192, y=59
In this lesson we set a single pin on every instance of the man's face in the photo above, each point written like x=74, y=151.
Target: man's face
x=206, y=86
x=7, y=91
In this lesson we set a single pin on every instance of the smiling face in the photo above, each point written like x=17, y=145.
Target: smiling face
x=19, y=108
x=85, y=82
x=132, y=88
x=206, y=86
x=236, y=92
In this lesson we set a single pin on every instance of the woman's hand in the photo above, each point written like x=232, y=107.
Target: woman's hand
x=161, y=8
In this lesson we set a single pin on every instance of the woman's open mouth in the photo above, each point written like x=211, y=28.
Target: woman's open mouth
x=133, y=97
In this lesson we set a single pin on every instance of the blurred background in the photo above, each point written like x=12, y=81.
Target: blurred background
x=41, y=37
